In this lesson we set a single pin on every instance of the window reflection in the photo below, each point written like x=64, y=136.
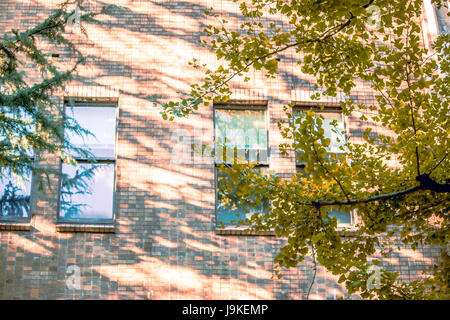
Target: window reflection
x=15, y=191
x=442, y=20
x=334, y=133
x=101, y=122
x=229, y=210
x=343, y=217
x=15, y=194
x=240, y=136
x=87, y=191
x=333, y=125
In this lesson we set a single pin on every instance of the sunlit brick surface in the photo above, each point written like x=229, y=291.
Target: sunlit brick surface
x=165, y=246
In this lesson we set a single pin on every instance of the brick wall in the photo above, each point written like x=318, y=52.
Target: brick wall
x=165, y=245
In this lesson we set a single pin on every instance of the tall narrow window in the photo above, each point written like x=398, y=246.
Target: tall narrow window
x=15, y=190
x=334, y=128
x=87, y=189
x=240, y=137
x=442, y=19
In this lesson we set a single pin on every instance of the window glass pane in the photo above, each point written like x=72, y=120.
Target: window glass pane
x=15, y=194
x=442, y=20
x=301, y=170
x=228, y=210
x=87, y=191
x=24, y=126
x=334, y=133
x=343, y=217
x=18, y=113
x=240, y=135
x=101, y=122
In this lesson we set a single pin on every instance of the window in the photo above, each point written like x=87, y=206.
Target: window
x=15, y=191
x=334, y=127
x=240, y=138
x=87, y=189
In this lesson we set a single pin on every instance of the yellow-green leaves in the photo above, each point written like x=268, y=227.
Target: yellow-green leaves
x=404, y=131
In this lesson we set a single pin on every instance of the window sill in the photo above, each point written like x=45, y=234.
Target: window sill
x=76, y=227
x=14, y=226
x=236, y=231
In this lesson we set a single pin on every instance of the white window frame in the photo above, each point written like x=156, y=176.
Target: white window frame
x=82, y=160
x=237, y=106
x=331, y=109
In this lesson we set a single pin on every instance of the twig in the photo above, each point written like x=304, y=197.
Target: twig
x=438, y=164
x=315, y=272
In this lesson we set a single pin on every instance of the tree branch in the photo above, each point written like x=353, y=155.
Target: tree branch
x=426, y=184
x=367, y=200
x=438, y=164
x=315, y=272
x=329, y=173
x=411, y=105
x=322, y=38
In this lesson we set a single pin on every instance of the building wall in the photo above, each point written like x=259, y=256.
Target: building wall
x=165, y=245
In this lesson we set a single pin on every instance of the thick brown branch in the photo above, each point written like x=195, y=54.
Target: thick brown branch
x=426, y=184
x=429, y=184
x=367, y=200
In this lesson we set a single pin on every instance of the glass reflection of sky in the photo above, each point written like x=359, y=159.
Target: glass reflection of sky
x=24, y=189
x=334, y=133
x=442, y=20
x=343, y=217
x=101, y=122
x=97, y=203
x=228, y=210
x=243, y=130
